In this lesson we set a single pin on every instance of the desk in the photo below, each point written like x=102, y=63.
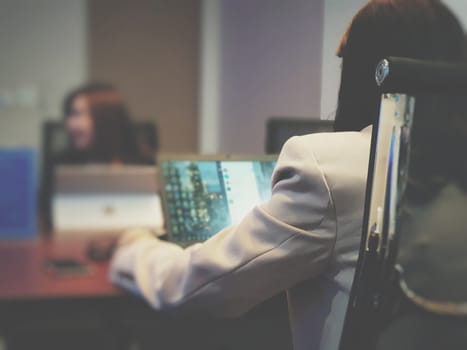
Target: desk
x=22, y=265
x=37, y=307
x=41, y=311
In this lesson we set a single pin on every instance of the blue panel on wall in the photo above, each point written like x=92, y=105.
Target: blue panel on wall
x=18, y=193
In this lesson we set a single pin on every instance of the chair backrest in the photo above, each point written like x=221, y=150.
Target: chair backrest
x=406, y=289
x=280, y=129
x=54, y=138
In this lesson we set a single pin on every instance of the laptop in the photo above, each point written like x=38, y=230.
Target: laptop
x=106, y=198
x=204, y=194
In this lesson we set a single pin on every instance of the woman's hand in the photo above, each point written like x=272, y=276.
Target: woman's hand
x=135, y=234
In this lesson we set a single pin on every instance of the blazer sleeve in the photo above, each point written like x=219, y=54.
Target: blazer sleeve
x=281, y=242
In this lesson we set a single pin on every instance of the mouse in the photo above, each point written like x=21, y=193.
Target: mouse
x=101, y=250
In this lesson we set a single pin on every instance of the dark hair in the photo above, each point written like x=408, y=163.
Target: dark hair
x=423, y=29
x=113, y=133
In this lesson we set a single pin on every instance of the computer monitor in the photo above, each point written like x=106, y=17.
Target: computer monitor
x=279, y=130
x=204, y=195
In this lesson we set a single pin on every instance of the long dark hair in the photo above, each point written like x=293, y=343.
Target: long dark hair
x=423, y=29
x=113, y=133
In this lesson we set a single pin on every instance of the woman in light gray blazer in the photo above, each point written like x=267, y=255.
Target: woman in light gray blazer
x=306, y=238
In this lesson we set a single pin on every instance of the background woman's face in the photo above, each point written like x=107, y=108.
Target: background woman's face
x=79, y=124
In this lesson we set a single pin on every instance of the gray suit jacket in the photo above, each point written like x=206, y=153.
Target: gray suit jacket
x=305, y=239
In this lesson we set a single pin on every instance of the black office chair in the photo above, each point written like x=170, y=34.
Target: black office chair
x=410, y=285
x=279, y=130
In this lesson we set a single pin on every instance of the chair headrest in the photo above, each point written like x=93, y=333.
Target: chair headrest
x=412, y=76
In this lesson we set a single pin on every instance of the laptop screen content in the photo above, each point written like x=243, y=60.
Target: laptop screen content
x=203, y=197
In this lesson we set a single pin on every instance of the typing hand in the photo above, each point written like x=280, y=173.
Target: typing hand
x=133, y=235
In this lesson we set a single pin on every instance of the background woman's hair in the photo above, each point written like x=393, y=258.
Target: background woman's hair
x=423, y=29
x=113, y=132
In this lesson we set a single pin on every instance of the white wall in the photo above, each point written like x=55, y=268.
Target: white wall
x=269, y=52
x=209, y=76
x=271, y=58
x=337, y=17
x=459, y=7
x=269, y=65
x=43, y=54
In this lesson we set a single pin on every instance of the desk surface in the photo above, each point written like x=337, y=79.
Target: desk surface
x=28, y=292
x=23, y=276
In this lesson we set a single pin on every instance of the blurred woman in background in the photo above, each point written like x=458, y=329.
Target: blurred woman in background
x=99, y=130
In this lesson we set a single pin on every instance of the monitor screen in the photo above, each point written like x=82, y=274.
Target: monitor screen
x=18, y=193
x=203, y=197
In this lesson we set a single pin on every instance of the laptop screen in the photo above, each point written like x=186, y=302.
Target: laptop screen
x=204, y=196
